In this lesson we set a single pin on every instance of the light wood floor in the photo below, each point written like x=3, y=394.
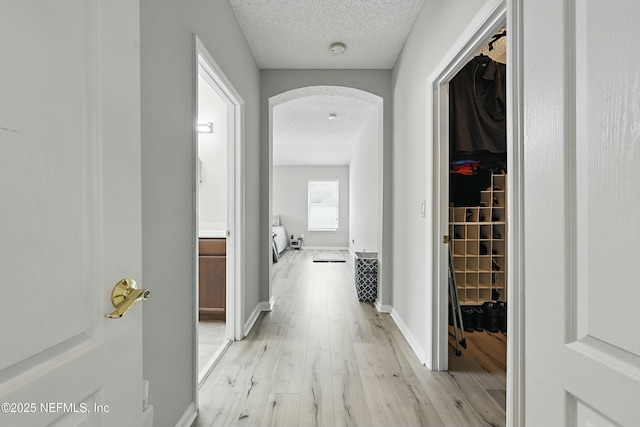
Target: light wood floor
x=321, y=358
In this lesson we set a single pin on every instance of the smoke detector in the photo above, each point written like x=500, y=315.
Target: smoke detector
x=332, y=116
x=338, y=48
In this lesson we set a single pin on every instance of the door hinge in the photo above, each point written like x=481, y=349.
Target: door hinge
x=445, y=239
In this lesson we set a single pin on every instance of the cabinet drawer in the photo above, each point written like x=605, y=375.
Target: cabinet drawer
x=213, y=247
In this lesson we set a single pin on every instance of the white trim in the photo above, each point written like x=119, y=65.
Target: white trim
x=413, y=342
x=325, y=248
x=272, y=302
x=515, y=218
x=188, y=417
x=260, y=307
x=383, y=308
x=204, y=373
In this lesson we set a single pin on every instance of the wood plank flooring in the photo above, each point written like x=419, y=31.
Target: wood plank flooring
x=321, y=358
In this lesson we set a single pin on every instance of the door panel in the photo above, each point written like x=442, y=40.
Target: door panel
x=608, y=176
x=582, y=204
x=69, y=212
x=42, y=113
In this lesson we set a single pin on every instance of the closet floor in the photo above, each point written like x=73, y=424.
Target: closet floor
x=483, y=362
x=322, y=358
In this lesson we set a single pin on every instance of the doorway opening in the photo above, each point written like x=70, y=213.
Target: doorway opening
x=218, y=165
x=326, y=134
x=477, y=213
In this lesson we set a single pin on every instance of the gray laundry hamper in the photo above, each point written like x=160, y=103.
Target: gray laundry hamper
x=366, y=276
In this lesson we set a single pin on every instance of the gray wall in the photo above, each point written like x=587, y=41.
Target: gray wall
x=290, y=202
x=434, y=33
x=274, y=82
x=364, y=194
x=167, y=72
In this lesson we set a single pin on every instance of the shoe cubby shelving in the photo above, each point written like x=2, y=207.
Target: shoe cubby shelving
x=478, y=235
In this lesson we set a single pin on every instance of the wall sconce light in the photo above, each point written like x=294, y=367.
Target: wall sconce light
x=205, y=127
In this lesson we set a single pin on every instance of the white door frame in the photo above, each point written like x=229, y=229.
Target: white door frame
x=235, y=194
x=489, y=20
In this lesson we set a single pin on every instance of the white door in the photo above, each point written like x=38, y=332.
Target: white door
x=582, y=212
x=69, y=212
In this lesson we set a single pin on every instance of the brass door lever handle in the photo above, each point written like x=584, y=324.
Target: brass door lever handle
x=125, y=293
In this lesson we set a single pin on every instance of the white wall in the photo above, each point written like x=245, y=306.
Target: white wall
x=364, y=207
x=377, y=82
x=212, y=151
x=434, y=33
x=290, y=202
x=168, y=199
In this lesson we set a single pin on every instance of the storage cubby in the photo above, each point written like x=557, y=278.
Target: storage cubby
x=478, y=239
x=459, y=247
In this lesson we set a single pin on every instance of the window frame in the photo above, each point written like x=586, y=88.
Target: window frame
x=337, y=205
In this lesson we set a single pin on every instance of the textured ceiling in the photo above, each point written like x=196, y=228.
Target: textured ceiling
x=298, y=33
x=304, y=135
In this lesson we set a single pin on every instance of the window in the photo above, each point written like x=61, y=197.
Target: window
x=323, y=205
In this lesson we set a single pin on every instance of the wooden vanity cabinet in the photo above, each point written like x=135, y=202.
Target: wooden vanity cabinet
x=212, y=284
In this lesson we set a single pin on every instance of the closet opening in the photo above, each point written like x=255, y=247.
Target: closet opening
x=478, y=225
x=477, y=212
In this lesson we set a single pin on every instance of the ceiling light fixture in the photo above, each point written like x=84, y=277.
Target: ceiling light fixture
x=205, y=127
x=338, y=48
x=332, y=116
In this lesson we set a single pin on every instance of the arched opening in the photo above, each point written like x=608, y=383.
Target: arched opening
x=313, y=132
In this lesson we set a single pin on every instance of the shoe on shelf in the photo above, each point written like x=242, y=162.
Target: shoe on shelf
x=478, y=314
x=483, y=249
x=468, y=215
x=502, y=316
x=491, y=316
x=497, y=235
x=468, y=319
x=495, y=266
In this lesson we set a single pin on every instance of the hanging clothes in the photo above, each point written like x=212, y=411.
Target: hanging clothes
x=466, y=190
x=465, y=167
x=477, y=108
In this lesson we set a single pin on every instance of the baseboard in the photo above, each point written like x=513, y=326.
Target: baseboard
x=326, y=248
x=260, y=307
x=383, y=308
x=188, y=417
x=419, y=351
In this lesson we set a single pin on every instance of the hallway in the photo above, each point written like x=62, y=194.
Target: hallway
x=321, y=358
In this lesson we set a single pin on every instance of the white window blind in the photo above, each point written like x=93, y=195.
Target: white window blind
x=323, y=205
